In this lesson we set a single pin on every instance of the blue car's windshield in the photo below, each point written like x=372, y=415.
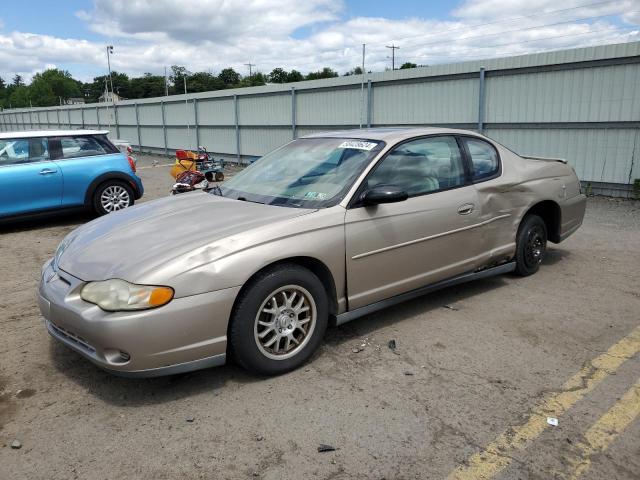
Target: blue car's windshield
x=306, y=173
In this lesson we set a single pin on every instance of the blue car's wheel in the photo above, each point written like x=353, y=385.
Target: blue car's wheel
x=111, y=196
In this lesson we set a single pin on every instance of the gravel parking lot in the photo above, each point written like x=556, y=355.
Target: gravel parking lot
x=476, y=371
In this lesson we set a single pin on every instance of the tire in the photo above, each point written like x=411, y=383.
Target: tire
x=531, y=245
x=111, y=196
x=261, y=334
x=219, y=176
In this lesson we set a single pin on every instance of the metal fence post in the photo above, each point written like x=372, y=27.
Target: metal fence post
x=115, y=114
x=164, y=127
x=369, y=103
x=235, y=108
x=58, y=117
x=82, y=116
x=69, y=118
x=196, y=123
x=293, y=113
x=481, y=102
x=138, y=129
x=98, y=116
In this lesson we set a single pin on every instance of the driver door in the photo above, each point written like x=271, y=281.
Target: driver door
x=397, y=247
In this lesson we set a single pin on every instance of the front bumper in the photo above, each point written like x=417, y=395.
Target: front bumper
x=188, y=333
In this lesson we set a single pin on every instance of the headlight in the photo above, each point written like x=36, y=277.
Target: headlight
x=60, y=250
x=117, y=295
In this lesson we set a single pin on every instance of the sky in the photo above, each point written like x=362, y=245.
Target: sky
x=209, y=35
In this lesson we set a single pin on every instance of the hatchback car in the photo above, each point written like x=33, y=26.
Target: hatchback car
x=329, y=227
x=52, y=170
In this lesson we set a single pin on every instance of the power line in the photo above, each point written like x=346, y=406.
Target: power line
x=393, y=55
x=250, y=65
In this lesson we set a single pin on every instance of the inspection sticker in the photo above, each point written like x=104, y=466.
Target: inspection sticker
x=358, y=145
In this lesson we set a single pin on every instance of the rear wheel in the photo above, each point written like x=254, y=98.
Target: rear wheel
x=279, y=321
x=111, y=196
x=531, y=245
x=219, y=176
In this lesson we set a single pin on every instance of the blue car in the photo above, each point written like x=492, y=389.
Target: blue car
x=54, y=170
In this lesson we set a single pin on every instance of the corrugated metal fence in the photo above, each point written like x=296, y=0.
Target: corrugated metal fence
x=581, y=104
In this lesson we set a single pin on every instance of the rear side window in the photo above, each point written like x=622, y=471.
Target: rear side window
x=86, y=146
x=23, y=150
x=485, y=163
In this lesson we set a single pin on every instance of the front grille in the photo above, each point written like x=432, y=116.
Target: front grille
x=73, y=338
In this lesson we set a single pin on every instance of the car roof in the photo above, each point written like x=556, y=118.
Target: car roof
x=50, y=133
x=387, y=134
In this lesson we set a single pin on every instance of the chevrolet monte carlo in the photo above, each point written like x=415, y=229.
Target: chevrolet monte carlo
x=327, y=228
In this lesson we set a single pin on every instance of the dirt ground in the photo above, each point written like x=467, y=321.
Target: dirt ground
x=471, y=363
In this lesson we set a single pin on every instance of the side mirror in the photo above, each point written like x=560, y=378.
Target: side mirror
x=383, y=194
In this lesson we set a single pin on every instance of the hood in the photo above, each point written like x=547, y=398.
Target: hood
x=137, y=241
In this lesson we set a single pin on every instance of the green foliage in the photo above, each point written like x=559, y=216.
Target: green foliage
x=147, y=86
x=229, y=77
x=278, y=75
x=294, y=76
x=354, y=71
x=406, y=65
x=52, y=86
x=326, y=72
x=17, y=81
x=636, y=189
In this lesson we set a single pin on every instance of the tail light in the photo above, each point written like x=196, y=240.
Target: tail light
x=132, y=163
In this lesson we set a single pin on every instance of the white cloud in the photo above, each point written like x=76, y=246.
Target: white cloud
x=212, y=34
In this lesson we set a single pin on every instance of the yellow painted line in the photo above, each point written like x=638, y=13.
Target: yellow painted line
x=496, y=456
x=606, y=430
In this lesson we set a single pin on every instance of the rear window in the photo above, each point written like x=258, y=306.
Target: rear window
x=23, y=150
x=86, y=146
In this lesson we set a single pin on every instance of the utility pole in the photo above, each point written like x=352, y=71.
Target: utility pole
x=109, y=51
x=250, y=65
x=186, y=107
x=362, y=86
x=393, y=55
x=166, y=85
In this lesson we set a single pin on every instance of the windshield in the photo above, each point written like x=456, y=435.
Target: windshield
x=306, y=173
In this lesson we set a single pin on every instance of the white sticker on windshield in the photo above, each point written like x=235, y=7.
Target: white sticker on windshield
x=358, y=145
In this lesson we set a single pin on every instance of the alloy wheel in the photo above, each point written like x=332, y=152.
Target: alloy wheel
x=114, y=197
x=285, y=322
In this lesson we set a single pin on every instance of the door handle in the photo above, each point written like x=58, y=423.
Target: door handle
x=47, y=171
x=466, y=209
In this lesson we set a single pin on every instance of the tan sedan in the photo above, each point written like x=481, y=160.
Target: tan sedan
x=327, y=228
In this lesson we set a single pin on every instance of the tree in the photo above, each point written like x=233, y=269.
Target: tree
x=147, y=86
x=53, y=86
x=203, y=82
x=19, y=97
x=354, y=71
x=41, y=94
x=254, y=80
x=294, y=76
x=17, y=81
x=278, y=75
x=229, y=77
x=177, y=78
x=326, y=72
x=406, y=65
